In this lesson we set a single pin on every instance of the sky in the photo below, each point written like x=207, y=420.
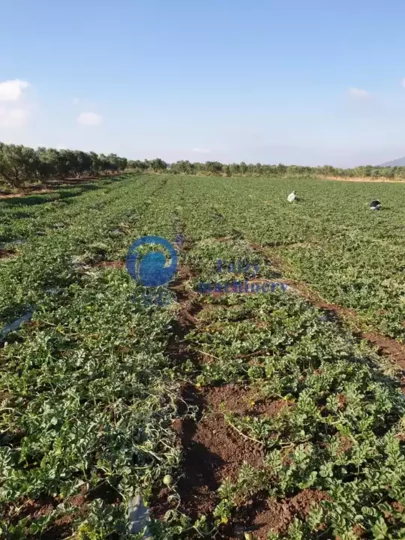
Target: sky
x=306, y=82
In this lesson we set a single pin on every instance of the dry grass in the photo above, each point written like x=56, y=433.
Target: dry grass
x=363, y=179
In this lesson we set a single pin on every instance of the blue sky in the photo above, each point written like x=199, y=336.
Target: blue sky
x=292, y=81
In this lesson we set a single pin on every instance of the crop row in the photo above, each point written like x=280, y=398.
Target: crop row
x=92, y=390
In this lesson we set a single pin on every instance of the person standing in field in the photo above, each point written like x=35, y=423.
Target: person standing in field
x=375, y=205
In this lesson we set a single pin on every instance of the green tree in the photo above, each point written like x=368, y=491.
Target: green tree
x=213, y=167
x=243, y=168
x=18, y=163
x=158, y=165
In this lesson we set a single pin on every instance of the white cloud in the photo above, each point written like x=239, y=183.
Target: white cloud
x=12, y=90
x=15, y=112
x=89, y=119
x=13, y=117
x=356, y=93
x=202, y=150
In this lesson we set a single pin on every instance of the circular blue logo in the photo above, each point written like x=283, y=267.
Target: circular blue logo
x=151, y=270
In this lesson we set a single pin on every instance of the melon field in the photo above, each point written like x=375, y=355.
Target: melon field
x=275, y=412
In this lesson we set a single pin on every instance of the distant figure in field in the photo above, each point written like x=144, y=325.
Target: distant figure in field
x=292, y=197
x=375, y=205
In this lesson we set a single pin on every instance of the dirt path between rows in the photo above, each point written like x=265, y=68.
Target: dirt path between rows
x=52, y=186
x=213, y=450
x=367, y=179
x=386, y=346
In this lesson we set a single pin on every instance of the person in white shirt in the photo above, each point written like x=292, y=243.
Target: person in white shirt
x=292, y=197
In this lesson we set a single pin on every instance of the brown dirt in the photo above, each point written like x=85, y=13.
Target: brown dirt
x=7, y=253
x=178, y=349
x=399, y=507
x=303, y=501
x=367, y=179
x=358, y=530
x=280, y=514
x=186, y=298
x=110, y=264
x=38, y=191
x=345, y=445
x=259, y=517
x=212, y=450
x=242, y=400
x=43, y=506
x=272, y=516
x=387, y=347
x=224, y=238
x=61, y=528
x=342, y=401
x=52, y=184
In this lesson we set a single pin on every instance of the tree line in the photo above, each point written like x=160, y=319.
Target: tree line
x=258, y=169
x=20, y=165
x=215, y=168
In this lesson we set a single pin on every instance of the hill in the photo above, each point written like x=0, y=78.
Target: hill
x=394, y=163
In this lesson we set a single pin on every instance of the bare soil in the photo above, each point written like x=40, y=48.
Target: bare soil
x=52, y=185
x=110, y=264
x=387, y=347
x=262, y=517
x=60, y=527
x=213, y=451
x=7, y=253
x=363, y=179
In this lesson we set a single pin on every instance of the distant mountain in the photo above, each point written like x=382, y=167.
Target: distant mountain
x=395, y=163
